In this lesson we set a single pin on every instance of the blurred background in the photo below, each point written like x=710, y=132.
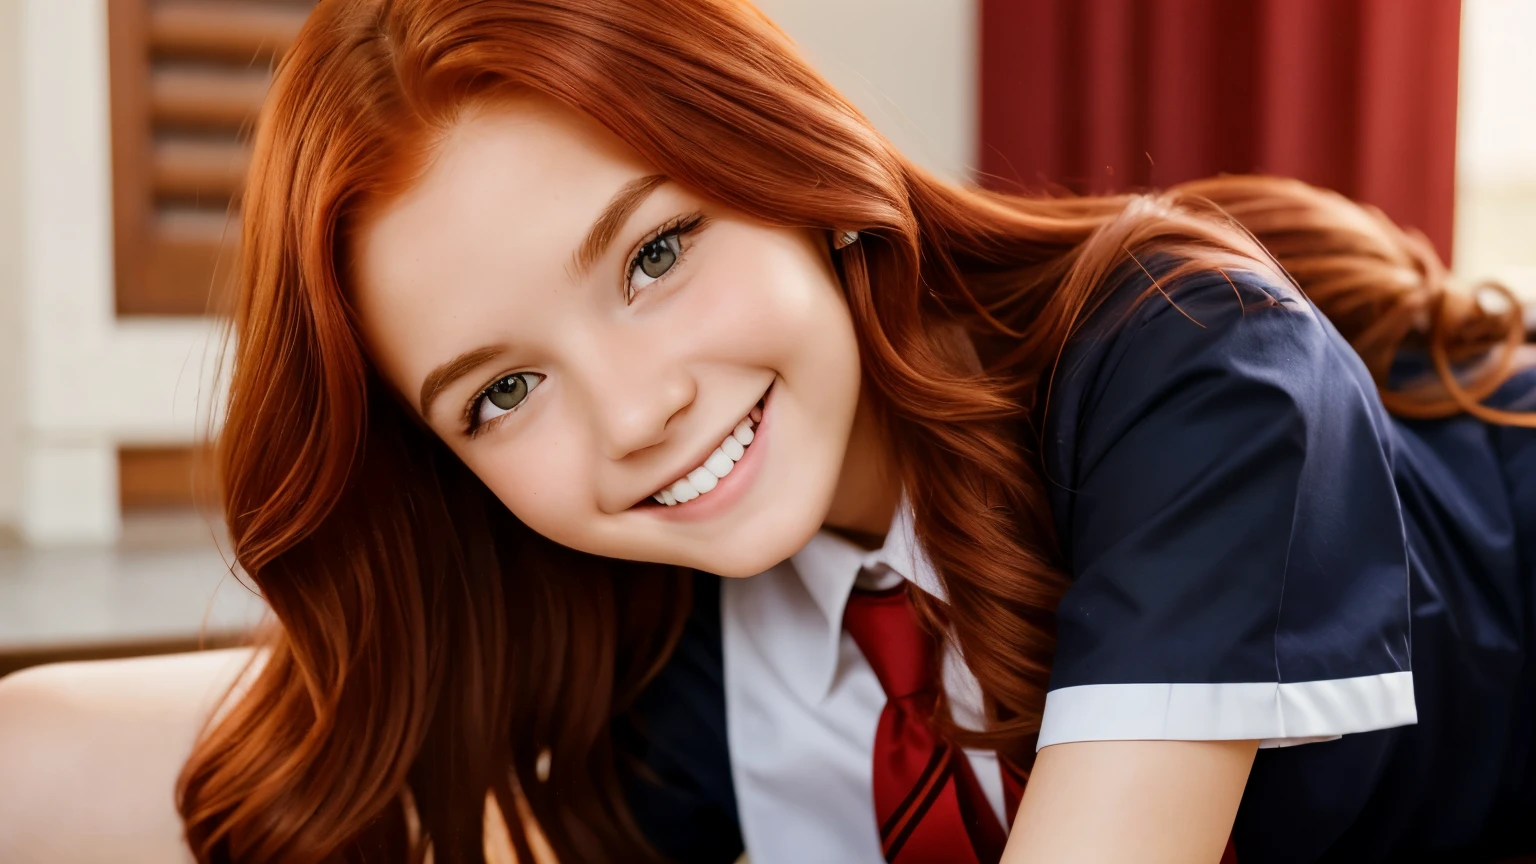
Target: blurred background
x=122, y=151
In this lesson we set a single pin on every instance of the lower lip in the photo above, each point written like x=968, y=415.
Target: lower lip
x=731, y=487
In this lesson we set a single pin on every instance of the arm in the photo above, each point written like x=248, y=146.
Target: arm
x=90, y=753
x=1123, y=801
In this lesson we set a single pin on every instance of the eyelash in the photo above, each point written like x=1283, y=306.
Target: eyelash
x=473, y=428
x=680, y=226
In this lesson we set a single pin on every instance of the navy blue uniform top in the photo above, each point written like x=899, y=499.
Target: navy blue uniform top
x=1238, y=511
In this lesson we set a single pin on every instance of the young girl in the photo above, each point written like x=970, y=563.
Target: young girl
x=1052, y=529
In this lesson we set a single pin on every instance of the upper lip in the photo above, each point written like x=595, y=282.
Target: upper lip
x=709, y=447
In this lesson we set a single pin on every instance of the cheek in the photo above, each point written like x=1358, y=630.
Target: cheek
x=770, y=302
x=816, y=346
x=540, y=480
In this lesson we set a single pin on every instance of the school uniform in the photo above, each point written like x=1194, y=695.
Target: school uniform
x=1257, y=551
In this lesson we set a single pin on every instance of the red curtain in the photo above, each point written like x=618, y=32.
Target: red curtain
x=1109, y=95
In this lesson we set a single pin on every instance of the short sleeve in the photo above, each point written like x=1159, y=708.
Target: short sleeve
x=1220, y=467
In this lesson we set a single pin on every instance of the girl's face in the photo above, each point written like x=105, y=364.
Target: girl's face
x=584, y=334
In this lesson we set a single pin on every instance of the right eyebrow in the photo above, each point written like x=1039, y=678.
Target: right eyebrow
x=624, y=202
x=453, y=370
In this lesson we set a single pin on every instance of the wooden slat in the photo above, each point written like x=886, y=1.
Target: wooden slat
x=169, y=477
x=194, y=261
x=207, y=97
x=207, y=171
x=191, y=264
x=200, y=226
x=240, y=30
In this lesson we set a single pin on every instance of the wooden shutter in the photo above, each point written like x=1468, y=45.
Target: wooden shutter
x=187, y=79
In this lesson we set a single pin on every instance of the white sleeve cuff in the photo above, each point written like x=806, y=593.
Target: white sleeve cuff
x=1278, y=714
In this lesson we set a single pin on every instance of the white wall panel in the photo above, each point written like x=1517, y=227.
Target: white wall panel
x=90, y=381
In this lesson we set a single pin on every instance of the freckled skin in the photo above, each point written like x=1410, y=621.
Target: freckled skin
x=478, y=253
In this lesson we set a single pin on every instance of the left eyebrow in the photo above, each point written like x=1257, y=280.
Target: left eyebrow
x=624, y=202
x=453, y=370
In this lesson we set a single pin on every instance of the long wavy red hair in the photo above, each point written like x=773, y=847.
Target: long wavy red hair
x=429, y=646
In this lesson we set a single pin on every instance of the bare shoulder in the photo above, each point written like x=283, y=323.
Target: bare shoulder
x=90, y=753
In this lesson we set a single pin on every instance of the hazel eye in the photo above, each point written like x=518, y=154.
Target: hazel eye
x=656, y=258
x=504, y=396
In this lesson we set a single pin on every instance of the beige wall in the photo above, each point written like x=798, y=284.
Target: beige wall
x=910, y=65
x=10, y=261
x=1496, y=145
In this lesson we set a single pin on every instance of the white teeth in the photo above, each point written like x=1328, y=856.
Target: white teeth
x=683, y=491
x=732, y=448
x=718, y=463
x=702, y=480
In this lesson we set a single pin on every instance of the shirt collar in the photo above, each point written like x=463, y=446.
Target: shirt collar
x=828, y=565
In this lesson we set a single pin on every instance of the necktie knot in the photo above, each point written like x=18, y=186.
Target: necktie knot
x=885, y=627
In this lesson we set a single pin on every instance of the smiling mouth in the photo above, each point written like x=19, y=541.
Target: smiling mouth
x=703, y=479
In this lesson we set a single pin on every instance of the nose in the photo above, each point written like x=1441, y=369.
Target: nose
x=634, y=388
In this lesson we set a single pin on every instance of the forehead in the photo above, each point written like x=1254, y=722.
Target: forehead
x=507, y=195
x=528, y=159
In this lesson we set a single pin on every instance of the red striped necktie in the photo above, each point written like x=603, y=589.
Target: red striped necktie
x=928, y=804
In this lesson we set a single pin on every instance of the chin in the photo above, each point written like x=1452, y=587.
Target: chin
x=742, y=567
x=768, y=541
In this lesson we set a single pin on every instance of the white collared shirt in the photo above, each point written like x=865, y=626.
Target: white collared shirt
x=802, y=703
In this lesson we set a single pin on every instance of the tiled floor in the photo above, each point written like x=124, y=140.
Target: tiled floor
x=167, y=580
